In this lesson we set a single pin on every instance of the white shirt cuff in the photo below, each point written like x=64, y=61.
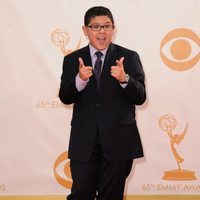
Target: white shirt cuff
x=80, y=84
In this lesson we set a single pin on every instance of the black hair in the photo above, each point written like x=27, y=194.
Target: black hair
x=97, y=11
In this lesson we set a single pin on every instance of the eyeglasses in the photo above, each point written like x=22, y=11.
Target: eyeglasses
x=97, y=27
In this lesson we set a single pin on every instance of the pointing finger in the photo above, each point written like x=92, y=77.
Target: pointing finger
x=120, y=62
x=81, y=63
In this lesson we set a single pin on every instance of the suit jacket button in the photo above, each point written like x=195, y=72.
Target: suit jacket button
x=97, y=105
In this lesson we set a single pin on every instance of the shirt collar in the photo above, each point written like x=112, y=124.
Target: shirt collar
x=93, y=51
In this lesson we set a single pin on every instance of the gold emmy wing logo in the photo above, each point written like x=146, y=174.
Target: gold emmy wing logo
x=62, y=171
x=181, y=49
x=168, y=123
x=61, y=38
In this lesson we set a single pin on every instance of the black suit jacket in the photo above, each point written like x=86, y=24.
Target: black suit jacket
x=110, y=110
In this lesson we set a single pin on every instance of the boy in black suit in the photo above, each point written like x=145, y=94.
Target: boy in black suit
x=104, y=81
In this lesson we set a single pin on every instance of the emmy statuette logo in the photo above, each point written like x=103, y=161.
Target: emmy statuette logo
x=168, y=123
x=61, y=38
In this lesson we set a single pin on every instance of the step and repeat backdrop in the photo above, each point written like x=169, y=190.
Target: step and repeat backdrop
x=34, y=125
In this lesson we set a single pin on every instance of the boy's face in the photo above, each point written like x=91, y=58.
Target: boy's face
x=100, y=39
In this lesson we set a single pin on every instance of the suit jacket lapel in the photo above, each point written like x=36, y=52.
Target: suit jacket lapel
x=85, y=55
x=110, y=59
x=88, y=62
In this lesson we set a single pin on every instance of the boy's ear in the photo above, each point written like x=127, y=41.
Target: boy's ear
x=84, y=30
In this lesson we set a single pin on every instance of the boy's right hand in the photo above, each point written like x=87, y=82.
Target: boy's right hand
x=84, y=71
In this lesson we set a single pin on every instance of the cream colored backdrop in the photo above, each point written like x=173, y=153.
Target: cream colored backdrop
x=34, y=125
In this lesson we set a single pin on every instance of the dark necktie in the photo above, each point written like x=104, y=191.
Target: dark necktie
x=97, y=67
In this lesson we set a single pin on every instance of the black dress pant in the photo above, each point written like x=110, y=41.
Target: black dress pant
x=99, y=178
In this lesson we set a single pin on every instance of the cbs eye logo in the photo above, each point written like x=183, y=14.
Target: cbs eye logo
x=62, y=171
x=178, y=49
